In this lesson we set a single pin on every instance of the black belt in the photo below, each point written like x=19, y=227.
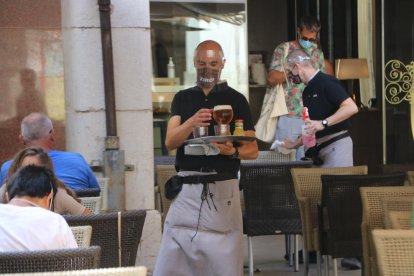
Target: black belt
x=333, y=139
x=210, y=178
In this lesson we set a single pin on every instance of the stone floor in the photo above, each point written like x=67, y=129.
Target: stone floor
x=268, y=253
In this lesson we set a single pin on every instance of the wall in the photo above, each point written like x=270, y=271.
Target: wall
x=85, y=105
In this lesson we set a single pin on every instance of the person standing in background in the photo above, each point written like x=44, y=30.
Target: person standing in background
x=289, y=125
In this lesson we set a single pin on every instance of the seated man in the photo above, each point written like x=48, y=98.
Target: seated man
x=70, y=167
x=26, y=222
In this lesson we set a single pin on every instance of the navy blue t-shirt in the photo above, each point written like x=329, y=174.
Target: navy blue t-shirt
x=187, y=102
x=322, y=96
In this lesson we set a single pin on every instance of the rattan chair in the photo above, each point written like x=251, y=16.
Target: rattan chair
x=395, y=252
x=115, y=271
x=399, y=220
x=82, y=235
x=160, y=160
x=341, y=212
x=270, y=204
x=50, y=260
x=373, y=218
x=392, y=203
x=92, y=203
x=103, y=184
x=410, y=178
x=164, y=172
x=105, y=234
x=90, y=192
x=308, y=188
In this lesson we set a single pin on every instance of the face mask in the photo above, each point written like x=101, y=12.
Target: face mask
x=207, y=77
x=306, y=44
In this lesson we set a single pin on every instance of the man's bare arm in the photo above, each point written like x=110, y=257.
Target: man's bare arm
x=275, y=77
x=177, y=133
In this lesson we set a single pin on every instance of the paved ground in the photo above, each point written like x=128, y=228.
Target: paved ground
x=268, y=253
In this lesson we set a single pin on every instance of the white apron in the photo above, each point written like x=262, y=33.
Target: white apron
x=216, y=248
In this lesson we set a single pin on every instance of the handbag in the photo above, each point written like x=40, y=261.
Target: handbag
x=274, y=105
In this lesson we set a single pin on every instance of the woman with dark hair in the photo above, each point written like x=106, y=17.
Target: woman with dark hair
x=26, y=222
x=65, y=202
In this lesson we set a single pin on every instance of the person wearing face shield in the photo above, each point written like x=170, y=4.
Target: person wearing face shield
x=329, y=107
x=26, y=221
x=289, y=125
x=203, y=230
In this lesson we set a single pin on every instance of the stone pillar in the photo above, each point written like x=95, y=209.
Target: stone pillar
x=84, y=96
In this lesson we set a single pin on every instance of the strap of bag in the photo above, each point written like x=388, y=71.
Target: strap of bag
x=119, y=239
x=333, y=139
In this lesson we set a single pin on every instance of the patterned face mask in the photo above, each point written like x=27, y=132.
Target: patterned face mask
x=207, y=77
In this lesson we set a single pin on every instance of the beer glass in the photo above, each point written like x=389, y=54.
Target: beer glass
x=222, y=115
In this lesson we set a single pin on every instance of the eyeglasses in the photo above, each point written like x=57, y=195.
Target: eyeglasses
x=314, y=40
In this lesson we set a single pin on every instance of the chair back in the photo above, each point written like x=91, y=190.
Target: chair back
x=92, y=203
x=342, y=206
x=373, y=218
x=270, y=203
x=82, y=235
x=399, y=220
x=114, y=271
x=308, y=188
x=108, y=229
x=50, y=260
x=88, y=192
x=164, y=172
x=395, y=252
x=272, y=156
x=103, y=184
x=392, y=203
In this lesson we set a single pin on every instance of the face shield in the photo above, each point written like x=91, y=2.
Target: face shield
x=291, y=69
x=208, y=64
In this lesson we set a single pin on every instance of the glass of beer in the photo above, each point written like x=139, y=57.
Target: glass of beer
x=222, y=115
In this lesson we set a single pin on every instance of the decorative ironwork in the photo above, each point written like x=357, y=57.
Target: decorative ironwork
x=399, y=80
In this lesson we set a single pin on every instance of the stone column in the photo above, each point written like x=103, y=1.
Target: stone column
x=84, y=96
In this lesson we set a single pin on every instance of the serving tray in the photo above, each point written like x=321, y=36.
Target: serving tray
x=220, y=139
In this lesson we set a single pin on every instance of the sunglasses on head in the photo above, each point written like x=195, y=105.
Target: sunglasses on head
x=314, y=40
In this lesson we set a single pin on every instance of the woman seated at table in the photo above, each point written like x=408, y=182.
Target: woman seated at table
x=65, y=202
x=26, y=222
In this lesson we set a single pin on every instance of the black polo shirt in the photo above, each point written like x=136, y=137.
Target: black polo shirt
x=322, y=96
x=187, y=102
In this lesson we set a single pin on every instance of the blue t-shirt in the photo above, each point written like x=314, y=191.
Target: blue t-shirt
x=70, y=167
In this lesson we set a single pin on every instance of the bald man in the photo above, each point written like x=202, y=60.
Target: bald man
x=203, y=231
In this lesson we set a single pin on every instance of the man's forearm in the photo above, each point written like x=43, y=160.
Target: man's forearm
x=276, y=77
x=177, y=135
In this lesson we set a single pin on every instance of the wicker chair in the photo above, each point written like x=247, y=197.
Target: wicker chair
x=105, y=234
x=395, y=252
x=164, y=172
x=50, y=260
x=82, y=235
x=392, y=203
x=115, y=271
x=341, y=212
x=90, y=192
x=308, y=186
x=92, y=203
x=103, y=184
x=373, y=218
x=399, y=220
x=270, y=204
x=160, y=160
